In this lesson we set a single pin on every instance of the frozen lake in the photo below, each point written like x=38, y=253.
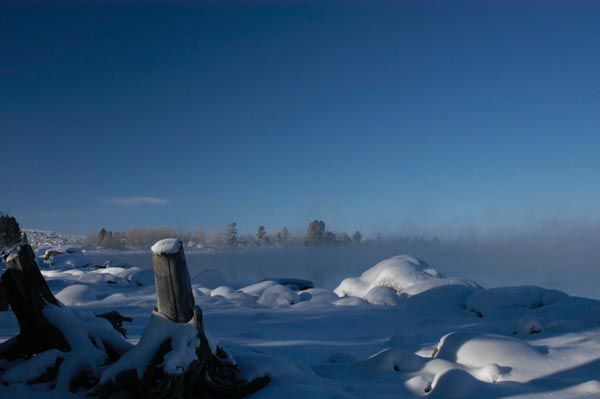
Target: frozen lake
x=573, y=271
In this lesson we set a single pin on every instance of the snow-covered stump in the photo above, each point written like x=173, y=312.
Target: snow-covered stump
x=174, y=358
x=28, y=294
x=53, y=344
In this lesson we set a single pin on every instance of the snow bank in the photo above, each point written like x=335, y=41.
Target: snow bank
x=167, y=246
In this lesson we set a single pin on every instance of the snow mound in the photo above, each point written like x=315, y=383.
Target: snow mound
x=482, y=350
x=278, y=296
x=382, y=296
x=184, y=343
x=493, y=300
x=457, y=384
x=77, y=294
x=258, y=288
x=396, y=273
x=401, y=274
x=389, y=360
x=577, y=314
x=167, y=246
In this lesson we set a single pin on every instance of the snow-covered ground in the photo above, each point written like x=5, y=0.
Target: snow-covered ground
x=398, y=329
x=37, y=237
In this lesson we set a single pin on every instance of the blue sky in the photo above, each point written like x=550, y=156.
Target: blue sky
x=382, y=116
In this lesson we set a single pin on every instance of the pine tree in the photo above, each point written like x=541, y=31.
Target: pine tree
x=261, y=236
x=231, y=234
x=356, y=237
x=283, y=236
x=315, y=232
x=10, y=231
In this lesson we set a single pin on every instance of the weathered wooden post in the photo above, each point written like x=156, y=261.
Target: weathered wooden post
x=174, y=297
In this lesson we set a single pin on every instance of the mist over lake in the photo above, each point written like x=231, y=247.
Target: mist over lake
x=491, y=264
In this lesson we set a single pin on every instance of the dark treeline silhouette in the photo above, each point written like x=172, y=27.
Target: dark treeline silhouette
x=10, y=231
x=229, y=238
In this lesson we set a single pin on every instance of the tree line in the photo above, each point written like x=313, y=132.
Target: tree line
x=10, y=231
x=316, y=235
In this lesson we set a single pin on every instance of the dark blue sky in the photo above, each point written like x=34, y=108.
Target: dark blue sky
x=382, y=116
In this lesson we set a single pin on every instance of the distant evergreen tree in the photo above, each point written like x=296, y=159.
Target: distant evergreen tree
x=315, y=232
x=283, y=236
x=102, y=236
x=10, y=231
x=231, y=234
x=261, y=236
x=356, y=237
x=25, y=239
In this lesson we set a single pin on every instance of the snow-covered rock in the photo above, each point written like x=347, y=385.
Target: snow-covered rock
x=396, y=273
x=62, y=257
x=258, y=288
x=277, y=296
x=401, y=274
x=476, y=350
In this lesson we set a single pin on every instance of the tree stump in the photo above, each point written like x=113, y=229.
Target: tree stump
x=200, y=370
x=27, y=292
x=56, y=345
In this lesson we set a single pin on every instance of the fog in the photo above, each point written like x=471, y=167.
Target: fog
x=554, y=256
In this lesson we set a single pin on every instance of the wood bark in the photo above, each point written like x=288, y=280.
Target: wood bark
x=174, y=297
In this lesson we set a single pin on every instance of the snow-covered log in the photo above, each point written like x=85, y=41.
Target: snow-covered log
x=54, y=344
x=174, y=357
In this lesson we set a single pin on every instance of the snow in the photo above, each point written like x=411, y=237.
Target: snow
x=184, y=342
x=277, y=296
x=401, y=329
x=494, y=300
x=397, y=273
x=167, y=246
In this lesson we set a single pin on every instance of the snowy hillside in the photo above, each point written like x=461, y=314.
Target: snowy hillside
x=40, y=237
x=400, y=330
